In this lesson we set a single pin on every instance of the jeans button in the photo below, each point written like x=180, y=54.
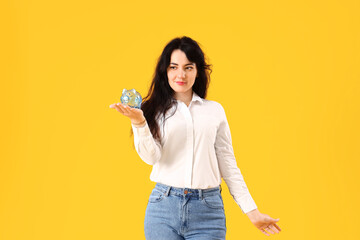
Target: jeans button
x=185, y=191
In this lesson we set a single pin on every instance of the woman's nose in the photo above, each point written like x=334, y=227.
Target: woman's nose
x=181, y=74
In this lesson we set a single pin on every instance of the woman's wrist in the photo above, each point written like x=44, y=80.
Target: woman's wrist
x=253, y=214
x=139, y=124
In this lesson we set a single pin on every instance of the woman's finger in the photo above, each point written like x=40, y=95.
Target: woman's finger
x=264, y=232
x=269, y=230
x=124, y=109
x=119, y=109
x=137, y=112
x=127, y=109
x=134, y=112
x=277, y=226
x=273, y=229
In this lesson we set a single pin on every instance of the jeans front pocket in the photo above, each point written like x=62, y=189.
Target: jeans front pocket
x=213, y=201
x=156, y=196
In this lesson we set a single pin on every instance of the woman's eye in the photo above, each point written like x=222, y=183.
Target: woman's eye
x=173, y=67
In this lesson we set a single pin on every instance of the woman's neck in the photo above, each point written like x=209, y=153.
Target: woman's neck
x=184, y=97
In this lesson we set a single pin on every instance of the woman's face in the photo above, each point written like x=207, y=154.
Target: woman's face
x=181, y=73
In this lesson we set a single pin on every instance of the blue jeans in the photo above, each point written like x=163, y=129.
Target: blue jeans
x=184, y=213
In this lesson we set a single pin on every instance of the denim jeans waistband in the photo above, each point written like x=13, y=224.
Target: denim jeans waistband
x=187, y=191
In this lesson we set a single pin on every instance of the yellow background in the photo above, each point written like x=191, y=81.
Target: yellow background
x=286, y=72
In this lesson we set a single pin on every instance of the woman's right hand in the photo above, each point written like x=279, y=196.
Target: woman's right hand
x=135, y=115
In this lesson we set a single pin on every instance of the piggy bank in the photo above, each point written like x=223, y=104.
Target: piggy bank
x=131, y=98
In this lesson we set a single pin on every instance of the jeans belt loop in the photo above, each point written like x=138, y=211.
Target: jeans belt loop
x=220, y=188
x=201, y=194
x=167, y=191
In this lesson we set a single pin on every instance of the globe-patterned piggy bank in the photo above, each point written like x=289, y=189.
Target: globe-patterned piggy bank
x=131, y=98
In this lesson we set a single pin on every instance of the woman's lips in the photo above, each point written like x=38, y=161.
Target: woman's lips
x=180, y=83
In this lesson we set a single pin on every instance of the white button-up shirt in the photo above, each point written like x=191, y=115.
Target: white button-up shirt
x=195, y=150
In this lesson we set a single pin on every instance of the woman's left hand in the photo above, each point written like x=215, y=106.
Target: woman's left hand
x=264, y=222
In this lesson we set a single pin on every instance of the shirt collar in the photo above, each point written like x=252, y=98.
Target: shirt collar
x=195, y=98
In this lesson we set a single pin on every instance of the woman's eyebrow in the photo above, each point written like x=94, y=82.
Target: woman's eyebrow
x=185, y=64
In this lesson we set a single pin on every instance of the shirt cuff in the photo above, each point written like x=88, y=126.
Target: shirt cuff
x=246, y=203
x=142, y=131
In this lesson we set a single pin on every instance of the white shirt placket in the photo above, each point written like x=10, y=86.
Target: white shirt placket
x=189, y=145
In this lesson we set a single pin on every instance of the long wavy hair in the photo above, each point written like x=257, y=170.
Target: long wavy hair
x=160, y=97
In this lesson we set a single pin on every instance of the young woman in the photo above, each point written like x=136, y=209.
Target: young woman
x=187, y=140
